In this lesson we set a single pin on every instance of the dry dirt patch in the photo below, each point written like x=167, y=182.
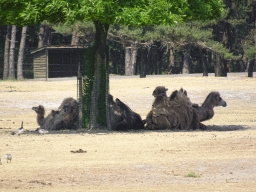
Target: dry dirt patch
x=223, y=158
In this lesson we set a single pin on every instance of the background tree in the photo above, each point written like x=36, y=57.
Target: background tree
x=12, y=52
x=21, y=53
x=6, y=52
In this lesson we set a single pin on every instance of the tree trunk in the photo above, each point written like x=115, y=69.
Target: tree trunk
x=250, y=68
x=143, y=65
x=6, y=52
x=41, y=36
x=171, y=61
x=130, y=60
x=204, y=63
x=12, y=52
x=128, y=66
x=74, y=40
x=186, y=61
x=21, y=53
x=99, y=90
x=220, y=66
x=44, y=34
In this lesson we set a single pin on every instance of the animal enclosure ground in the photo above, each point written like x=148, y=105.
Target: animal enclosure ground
x=222, y=158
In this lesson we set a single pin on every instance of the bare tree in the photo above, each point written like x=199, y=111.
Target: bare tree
x=12, y=52
x=6, y=52
x=21, y=53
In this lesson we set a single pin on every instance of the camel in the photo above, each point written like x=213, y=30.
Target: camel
x=44, y=122
x=133, y=119
x=173, y=112
x=64, y=118
x=205, y=111
x=122, y=118
x=161, y=117
x=117, y=119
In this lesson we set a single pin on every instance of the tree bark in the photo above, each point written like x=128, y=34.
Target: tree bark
x=44, y=34
x=21, y=53
x=186, y=61
x=12, y=52
x=41, y=36
x=143, y=65
x=130, y=59
x=100, y=64
x=250, y=68
x=220, y=66
x=74, y=40
x=6, y=52
x=171, y=61
x=204, y=63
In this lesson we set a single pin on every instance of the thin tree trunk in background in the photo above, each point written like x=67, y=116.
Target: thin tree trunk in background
x=250, y=68
x=44, y=34
x=128, y=66
x=41, y=36
x=171, y=61
x=74, y=40
x=133, y=59
x=21, y=53
x=186, y=61
x=143, y=65
x=12, y=52
x=220, y=66
x=204, y=63
x=6, y=52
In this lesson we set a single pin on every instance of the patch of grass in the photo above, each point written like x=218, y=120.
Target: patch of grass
x=193, y=174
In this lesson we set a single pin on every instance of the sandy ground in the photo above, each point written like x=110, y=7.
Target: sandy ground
x=222, y=158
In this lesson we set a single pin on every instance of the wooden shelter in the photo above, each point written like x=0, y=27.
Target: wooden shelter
x=57, y=61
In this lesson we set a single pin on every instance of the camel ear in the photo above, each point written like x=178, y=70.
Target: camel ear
x=118, y=101
x=185, y=92
x=181, y=89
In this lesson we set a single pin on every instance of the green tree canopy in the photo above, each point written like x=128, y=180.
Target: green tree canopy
x=104, y=13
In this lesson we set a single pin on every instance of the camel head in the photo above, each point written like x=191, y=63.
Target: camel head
x=160, y=90
x=216, y=100
x=159, y=101
x=39, y=109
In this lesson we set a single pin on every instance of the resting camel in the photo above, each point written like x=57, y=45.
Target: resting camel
x=64, y=118
x=205, y=111
x=133, y=119
x=173, y=112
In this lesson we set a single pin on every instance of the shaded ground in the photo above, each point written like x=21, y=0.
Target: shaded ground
x=222, y=158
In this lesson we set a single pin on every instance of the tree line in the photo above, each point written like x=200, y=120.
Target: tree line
x=215, y=46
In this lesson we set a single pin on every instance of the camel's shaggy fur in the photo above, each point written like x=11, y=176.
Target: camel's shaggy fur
x=122, y=118
x=174, y=112
x=133, y=119
x=63, y=118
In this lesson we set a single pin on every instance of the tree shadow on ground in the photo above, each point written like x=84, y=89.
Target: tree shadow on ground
x=105, y=131
x=227, y=128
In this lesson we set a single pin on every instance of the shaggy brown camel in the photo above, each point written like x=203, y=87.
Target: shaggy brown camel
x=44, y=123
x=173, y=112
x=132, y=118
x=205, y=111
x=64, y=118
x=161, y=116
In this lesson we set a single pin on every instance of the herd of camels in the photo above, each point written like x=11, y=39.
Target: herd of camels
x=173, y=112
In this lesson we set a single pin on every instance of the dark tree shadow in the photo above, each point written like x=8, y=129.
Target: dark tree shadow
x=227, y=128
